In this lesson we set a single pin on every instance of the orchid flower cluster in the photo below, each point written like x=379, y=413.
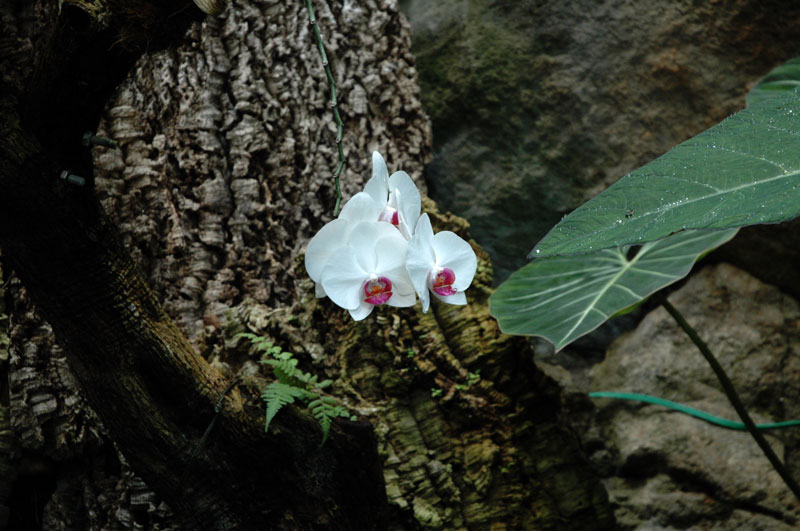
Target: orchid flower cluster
x=381, y=251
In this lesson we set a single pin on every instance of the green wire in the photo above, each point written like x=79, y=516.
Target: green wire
x=725, y=423
x=334, y=103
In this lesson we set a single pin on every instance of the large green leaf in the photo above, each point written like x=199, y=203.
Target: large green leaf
x=744, y=170
x=565, y=297
x=784, y=78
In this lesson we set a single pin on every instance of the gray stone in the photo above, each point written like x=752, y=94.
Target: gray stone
x=666, y=470
x=538, y=106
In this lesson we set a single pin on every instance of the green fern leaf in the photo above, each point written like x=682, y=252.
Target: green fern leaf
x=294, y=384
x=277, y=395
x=325, y=409
x=319, y=410
x=285, y=370
x=260, y=343
x=252, y=337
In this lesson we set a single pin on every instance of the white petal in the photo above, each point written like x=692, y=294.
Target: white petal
x=394, y=198
x=404, y=229
x=377, y=187
x=453, y=252
x=410, y=203
x=420, y=259
x=362, y=240
x=425, y=299
x=363, y=310
x=360, y=207
x=401, y=282
x=423, y=236
x=401, y=301
x=391, y=251
x=459, y=298
x=329, y=238
x=394, y=201
x=319, y=291
x=392, y=208
x=343, y=278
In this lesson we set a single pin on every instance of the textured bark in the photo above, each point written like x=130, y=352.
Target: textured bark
x=137, y=370
x=459, y=452
x=227, y=147
x=153, y=392
x=7, y=441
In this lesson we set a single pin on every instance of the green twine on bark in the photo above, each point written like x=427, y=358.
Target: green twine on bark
x=333, y=103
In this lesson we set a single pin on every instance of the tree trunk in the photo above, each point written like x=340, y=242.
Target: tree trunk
x=141, y=376
x=227, y=146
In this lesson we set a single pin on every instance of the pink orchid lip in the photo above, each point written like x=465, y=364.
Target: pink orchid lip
x=377, y=290
x=444, y=291
x=379, y=299
x=442, y=279
x=390, y=215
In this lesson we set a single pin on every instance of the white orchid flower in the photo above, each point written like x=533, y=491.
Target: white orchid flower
x=441, y=263
x=336, y=234
x=329, y=238
x=368, y=271
x=396, y=198
x=380, y=201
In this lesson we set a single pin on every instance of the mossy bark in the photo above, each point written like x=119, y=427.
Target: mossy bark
x=469, y=429
x=140, y=374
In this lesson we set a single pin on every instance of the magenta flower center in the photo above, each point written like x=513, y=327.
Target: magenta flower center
x=442, y=279
x=377, y=290
x=390, y=215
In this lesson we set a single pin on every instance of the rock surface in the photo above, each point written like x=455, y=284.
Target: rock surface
x=666, y=470
x=538, y=106
x=769, y=252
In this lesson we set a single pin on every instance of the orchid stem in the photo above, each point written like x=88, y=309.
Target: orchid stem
x=334, y=105
x=733, y=396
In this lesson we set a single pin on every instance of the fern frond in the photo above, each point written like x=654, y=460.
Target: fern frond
x=307, y=378
x=277, y=395
x=252, y=337
x=325, y=409
x=275, y=350
x=294, y=384
x=263, y=344
x=285, y=370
